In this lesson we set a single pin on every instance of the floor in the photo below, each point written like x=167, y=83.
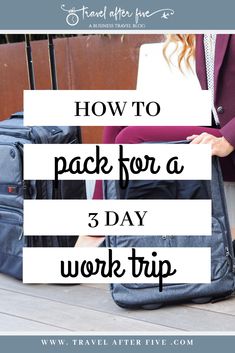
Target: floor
x=90, y=308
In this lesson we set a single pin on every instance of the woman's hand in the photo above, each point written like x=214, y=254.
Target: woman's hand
x=219, y=145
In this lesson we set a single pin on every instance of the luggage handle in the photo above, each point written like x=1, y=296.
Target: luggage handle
x=28, y=50
x=18, y=115
x=53, y=130
x=52, y=62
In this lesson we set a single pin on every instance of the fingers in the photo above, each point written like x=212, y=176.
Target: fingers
x=191, y=137
x=219, y=145
x=202, y=138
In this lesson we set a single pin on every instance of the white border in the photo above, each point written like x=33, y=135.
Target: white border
x=90, y=333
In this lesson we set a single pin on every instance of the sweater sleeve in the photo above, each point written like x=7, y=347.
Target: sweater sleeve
x=228, y=131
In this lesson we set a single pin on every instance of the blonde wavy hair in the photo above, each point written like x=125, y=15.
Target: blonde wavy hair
x=184, y=47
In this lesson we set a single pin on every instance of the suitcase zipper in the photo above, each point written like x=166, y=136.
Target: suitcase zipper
x=26, y=136
x=21, y=235
x=19, y=147
x=9, y=210
x=16, y=134
x=37, y=138
x=230, y=257
x=228, y=247
x=12, y=222
x=17, y=223
x=6, y=221
x=227, y=239
x=26, y=183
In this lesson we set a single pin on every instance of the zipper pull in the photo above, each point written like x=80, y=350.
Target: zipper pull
x=21, y=235
x=227, y=254
x=20, y=146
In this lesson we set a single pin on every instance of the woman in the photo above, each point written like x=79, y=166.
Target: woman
x=223, y=88
x=215, y=68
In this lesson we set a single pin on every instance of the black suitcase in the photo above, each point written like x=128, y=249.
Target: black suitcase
x=13, y=188
x=148, y=296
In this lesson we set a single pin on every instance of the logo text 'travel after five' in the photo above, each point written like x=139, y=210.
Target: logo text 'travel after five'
x=117, y=17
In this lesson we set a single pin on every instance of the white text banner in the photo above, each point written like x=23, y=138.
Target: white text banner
x=117, y=108
x=117, y=217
